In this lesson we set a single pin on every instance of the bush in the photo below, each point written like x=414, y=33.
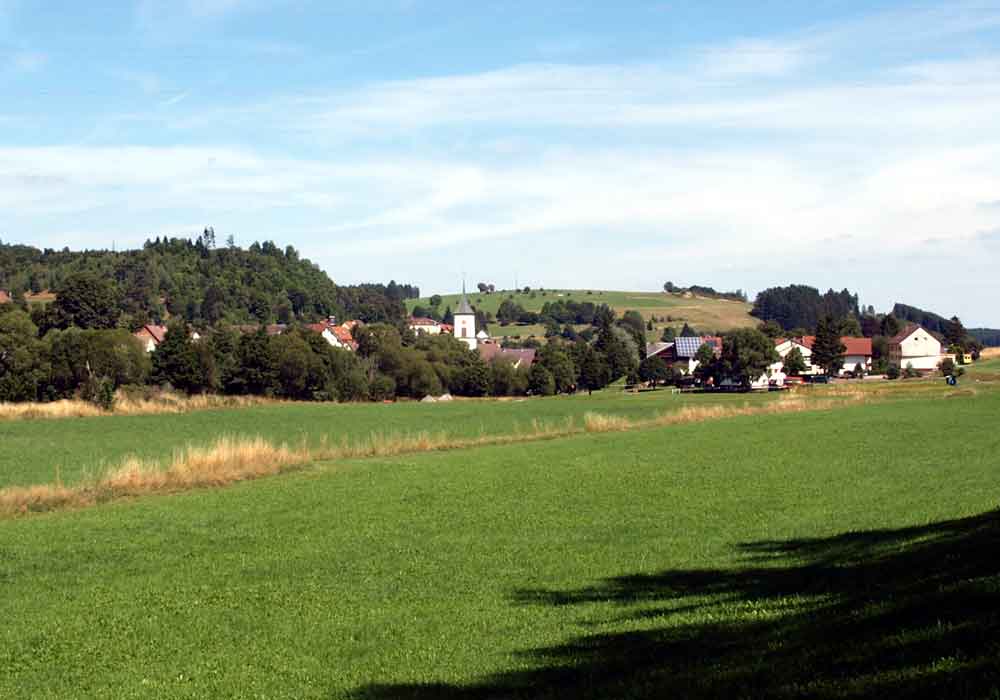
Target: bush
x=947, y=367
x=910, y=373
x=892, y=372
x=99, y=391
x=382, y=388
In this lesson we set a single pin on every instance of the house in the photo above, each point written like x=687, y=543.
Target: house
x=685, y=349
x=661, y=350
x=490, y=352
x=915, y=347
x=337, y=336
x=858, y=352
x=424, y=325
x=150, y=336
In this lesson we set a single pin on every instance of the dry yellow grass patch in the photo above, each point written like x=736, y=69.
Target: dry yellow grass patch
x=125, y=406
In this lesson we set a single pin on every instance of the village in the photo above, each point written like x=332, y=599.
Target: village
x=914, y=350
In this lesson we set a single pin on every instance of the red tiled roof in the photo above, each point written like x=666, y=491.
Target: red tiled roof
x=855, y=346
x=858, y=346
x=343, y=335
x=157, y=333
x=415, y=321
x=317, y=327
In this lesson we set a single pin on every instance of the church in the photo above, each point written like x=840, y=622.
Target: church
x=465, y=324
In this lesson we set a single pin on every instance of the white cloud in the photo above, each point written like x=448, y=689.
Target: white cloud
x=28, y=61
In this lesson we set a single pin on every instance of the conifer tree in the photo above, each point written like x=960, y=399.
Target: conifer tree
x=828, y=350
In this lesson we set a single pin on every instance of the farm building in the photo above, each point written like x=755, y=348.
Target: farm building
x=424, y=325
x=858, y=352
x=337, y=336
x=152, y=335
x=915, y=347
x=491, y=352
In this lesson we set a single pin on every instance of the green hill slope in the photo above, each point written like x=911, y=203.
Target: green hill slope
x=702, y=313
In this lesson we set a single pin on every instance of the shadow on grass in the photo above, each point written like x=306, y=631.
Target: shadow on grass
x=897, y=614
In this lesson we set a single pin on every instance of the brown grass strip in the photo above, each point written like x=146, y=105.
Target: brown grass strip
x=166, y=403
x=232, y=459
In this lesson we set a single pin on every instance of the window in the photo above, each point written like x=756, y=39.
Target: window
x=465, y=332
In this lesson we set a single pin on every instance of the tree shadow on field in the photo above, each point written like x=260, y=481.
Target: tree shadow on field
x=909, y=613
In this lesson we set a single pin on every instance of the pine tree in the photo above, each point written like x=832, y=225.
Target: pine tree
x=828, y=351
x=175, y=360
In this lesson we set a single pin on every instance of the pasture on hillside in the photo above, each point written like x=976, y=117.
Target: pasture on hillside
x=840, y=553
x=700, y=312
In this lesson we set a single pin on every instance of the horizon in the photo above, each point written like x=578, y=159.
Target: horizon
x=569, y=146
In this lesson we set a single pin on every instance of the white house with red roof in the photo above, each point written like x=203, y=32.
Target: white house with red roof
x=858, y=352
x=337, y=336
x=425, y=325
x=150, y=336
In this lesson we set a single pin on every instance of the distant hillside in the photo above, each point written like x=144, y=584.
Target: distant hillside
x=203, y=283
x=935, y=323
x=704, y=314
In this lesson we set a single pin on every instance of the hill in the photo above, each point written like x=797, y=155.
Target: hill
x=667, y=309
x=202, y=283
x=937, y=323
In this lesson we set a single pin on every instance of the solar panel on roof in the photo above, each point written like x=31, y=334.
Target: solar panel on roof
x=687, y=347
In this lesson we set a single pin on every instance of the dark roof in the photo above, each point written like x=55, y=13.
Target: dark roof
x=464, y=307
x=910, y=329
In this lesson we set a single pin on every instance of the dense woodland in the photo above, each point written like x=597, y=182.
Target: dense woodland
x=204, y=283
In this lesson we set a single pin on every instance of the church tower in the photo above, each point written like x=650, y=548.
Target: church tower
x=465, y=322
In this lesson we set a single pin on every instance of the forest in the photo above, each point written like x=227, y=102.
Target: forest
x=204, y=283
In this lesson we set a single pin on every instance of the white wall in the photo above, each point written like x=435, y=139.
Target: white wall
x=920, y=350
x=465, y=329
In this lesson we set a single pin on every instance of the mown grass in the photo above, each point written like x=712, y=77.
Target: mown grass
x=700, y=312
x=844, y=553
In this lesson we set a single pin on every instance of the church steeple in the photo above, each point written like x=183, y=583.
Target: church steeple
x=465, y=321
x=463, y=306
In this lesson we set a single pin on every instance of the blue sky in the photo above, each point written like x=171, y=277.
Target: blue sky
x=562, y=144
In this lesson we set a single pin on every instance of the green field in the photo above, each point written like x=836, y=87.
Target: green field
x=37, y=452
x=844, y=553
x=702, y=313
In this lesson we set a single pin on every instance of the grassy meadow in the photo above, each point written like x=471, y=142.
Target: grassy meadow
x=73, y=449
x=839, y=553
x=702, y=313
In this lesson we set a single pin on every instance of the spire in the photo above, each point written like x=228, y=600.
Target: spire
x=463, y=306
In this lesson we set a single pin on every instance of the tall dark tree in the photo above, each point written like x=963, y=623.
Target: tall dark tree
x=746, y=355
x=955, y=334
x=828, y=350
x=22, y=367
x=176, y=362
x=85, y=300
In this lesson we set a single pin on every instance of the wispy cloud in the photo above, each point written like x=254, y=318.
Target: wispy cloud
x=28, y=61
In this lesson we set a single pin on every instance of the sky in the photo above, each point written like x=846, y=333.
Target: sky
x=559, y=143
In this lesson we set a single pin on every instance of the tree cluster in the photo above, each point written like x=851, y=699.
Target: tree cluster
x=193, y=280
x=799, y=306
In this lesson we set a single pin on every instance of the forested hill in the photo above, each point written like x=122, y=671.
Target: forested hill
x=202, y=282
x=938, y=324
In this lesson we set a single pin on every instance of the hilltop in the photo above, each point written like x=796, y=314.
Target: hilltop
x=665, y=309
x=201, y=282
